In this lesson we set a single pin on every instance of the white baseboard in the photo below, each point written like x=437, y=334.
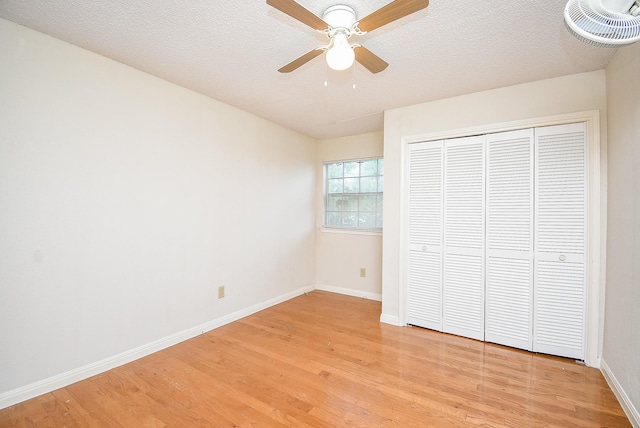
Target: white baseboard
x=349, y=292
x=387, y=319
x=390, y=319
x=44, y=386
x=621, y=395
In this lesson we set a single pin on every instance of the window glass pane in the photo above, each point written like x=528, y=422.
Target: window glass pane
x=380, y=184
x=334, y=203
x=367, y=220
x=380, y=166
x=334, y=219
x=335, y=186
x=368, y=203
x=351, y=169
x=351, y=185
x=379, y=204
x=379, y=220
x=368, y=184
x=349, y=203
x=350, y=219
x=369, y=167
x=334, y=170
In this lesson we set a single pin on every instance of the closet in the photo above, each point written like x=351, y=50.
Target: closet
x=497, y=238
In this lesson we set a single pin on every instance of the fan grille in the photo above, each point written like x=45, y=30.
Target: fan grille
x=600, y=27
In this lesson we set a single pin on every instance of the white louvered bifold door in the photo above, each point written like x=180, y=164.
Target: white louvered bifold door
x=560, y=241
x=463, y=286
x=509, y=239
x=425, y=235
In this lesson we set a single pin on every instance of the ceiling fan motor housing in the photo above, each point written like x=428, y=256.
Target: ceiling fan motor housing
x=340, y=16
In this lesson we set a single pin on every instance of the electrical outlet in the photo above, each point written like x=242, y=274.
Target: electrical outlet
x=363, y=272
x=221, y=292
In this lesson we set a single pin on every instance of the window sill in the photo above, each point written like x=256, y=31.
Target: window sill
x=351, y=231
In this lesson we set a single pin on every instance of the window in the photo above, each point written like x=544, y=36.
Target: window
x=353, y=194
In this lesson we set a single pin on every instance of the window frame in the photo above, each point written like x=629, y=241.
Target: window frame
x=378, y=196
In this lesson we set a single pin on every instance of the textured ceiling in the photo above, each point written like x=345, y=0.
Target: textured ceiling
x=231, y=51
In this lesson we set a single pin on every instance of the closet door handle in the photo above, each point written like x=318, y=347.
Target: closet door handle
x=562, y=257
x=424, y=248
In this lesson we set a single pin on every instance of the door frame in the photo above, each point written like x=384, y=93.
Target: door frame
x=596, y=215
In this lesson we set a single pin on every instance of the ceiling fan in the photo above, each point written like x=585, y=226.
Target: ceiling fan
x=604, y=23
x=339, y=23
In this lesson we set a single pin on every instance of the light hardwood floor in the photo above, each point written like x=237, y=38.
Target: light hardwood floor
x=324, y=360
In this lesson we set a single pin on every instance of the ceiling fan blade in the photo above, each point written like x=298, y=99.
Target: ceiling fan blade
x=299, y=12
x=389, y=13
x=369, y=60
x=301, y=61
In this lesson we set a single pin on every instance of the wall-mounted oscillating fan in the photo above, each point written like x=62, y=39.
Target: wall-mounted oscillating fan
x=339, y=23
x=604, y=23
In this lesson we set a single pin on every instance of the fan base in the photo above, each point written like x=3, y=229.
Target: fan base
x=339, y=16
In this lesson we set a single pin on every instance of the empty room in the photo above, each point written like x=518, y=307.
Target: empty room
x=279, y=213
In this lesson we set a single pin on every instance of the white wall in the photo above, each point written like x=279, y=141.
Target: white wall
x=575, y=93
x=621, y=353
x=339, y=256
x=126, y=201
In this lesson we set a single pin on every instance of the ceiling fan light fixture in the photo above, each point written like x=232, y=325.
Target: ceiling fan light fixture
x=340, y=56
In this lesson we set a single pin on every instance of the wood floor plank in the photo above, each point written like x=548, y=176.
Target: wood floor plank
x=325, y=360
